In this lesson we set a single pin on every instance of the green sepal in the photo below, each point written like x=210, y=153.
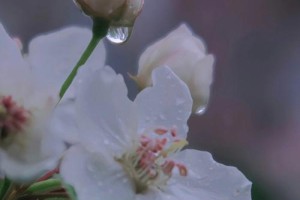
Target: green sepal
x=44, y=186
x=69, y=189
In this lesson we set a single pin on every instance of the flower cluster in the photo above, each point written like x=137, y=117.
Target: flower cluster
x=104, y=145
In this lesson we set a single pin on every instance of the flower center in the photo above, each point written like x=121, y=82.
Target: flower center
x=149, y=165
x=12, y=118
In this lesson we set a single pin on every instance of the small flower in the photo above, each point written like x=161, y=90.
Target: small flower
x=185, y=54
x=132, y=150
x=29, y=86
x=118, y=12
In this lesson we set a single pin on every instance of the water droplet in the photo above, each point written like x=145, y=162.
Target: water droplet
x=169, y=77
x=201, y=110
x=179, y=101
x=178, y=118
x=236, y=193
x=106, y=142
x=162, y=117
x=91, y=168
x=100, y=184
x=118, y=35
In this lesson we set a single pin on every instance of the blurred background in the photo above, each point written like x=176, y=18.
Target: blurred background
x=253, y=119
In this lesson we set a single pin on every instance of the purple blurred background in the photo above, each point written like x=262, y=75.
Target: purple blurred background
x=253, y=118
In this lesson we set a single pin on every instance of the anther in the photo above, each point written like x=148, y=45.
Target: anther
x=173, y=132
x=160, y=131
x=182, y=169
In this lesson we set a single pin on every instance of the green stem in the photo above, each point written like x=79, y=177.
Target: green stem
x=44, y=186
x=100, y=28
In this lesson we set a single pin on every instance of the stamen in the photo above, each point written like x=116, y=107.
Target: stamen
x=148, y=165
x=173, y=132
x=160, y=131
x=182, y=169
x=12, y=117
x=168, y=167
x=176, y=146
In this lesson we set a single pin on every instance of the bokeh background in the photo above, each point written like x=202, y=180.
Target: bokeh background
x=253, y=119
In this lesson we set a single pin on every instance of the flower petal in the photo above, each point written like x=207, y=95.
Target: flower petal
x=95, y=177
x=167, y=104
x=208, y=179
x=24, y=169
x=107, y=116
x=63, y=122
x=54, y=55
x=201, y=82
x=14, y=72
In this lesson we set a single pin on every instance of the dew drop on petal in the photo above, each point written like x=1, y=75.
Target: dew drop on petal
x=162, y=117
x=100, y=183
x=91, y=168
x=178, y=118
x=118, y=35
x=201, y=110
x=179, y=101
x=106, y=142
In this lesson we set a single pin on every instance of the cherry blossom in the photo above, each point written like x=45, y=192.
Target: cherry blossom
x=133, y=149
x=29, y=86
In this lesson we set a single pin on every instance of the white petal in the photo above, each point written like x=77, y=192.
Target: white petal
x=184, y=31
x=107, y=116
x=54, y=55
x=33, y=151
x=14, y=72
x=167, y=104
x=201, y=82
x=95, y=177
x=22, y=171
x=63, y=122
x=208, y=179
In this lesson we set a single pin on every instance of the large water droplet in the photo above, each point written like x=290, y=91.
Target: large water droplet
x=118, y=35
x=201, y=110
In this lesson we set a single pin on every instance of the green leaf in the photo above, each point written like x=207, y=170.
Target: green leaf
x=4, y=187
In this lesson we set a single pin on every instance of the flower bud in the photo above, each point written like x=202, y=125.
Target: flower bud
x=186, y=55
x=118, y=12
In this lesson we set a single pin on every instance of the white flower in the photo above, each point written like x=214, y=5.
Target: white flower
x=132, y=150
x=29, y=86
x=185, y=54
x=117, y=12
